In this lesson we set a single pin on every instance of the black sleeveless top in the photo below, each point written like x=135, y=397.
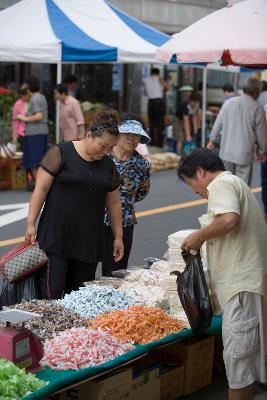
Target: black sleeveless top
x=71, y=224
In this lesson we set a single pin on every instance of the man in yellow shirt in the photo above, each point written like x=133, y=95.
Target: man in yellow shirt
x=236, y=235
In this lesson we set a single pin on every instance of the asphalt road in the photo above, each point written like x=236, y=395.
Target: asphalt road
x=150, y=233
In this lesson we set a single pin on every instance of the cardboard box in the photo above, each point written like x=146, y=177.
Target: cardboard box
x=196, y=354
x=146, y=380
x=171, y=382
x=171, y=374
x=115, y=387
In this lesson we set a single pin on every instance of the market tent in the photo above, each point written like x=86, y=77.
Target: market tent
x=58, y=31
x=55, y=31
x=234, y=35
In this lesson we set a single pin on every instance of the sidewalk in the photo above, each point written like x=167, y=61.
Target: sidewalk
x=218, y=390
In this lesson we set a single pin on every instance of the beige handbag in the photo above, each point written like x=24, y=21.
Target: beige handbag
x=21, y=261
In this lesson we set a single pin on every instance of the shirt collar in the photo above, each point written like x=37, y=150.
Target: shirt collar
x=218, y=177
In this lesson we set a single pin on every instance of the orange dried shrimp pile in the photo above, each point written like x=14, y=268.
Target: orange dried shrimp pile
x=138, y=324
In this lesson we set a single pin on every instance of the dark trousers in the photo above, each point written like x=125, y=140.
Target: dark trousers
x=264, y=186
x=156, y=114
x=108, y=263
x=64, y=275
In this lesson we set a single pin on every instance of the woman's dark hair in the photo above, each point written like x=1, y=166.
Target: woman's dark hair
x=33, y=84
x=199, y=158
x=23, y=92
x=126, y=116
x=62, y=88
x=105, y=121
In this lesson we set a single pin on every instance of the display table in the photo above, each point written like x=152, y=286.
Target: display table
x=60, y=380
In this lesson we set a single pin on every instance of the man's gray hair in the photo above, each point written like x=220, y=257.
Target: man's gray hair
x=253, y=86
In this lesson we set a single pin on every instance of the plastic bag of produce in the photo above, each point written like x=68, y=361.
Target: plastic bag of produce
x=12, y=293
x=193, y=293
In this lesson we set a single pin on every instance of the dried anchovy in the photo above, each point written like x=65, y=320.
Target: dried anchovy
x=55, y=318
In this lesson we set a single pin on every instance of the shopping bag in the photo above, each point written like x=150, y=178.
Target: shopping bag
x=188, y=147
x=193, y=293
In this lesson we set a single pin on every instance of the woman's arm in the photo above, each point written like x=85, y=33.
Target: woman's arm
x=81, y=132
x=31, y=118
x=113, y=205
x=144, y=187
x=44, y=182
x=196, y=122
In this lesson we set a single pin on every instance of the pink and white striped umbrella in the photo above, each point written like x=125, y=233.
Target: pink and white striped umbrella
x=234, y=35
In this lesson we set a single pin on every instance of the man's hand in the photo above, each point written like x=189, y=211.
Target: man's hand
x=262, y=158
x=188, y=138
x=210, y=145
x=118, y=250
x=192, y=242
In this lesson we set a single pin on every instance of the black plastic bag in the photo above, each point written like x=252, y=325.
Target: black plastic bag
x=13, y=293
x=193, y=293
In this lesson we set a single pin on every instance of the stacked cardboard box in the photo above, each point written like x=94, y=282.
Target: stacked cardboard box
x=146, y=379
x=117, y=386
x=196, y=354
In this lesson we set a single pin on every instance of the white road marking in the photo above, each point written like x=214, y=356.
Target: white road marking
x=13, y=206
x=13, y=216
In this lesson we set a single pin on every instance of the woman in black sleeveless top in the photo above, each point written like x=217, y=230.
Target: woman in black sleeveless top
x=76, y=180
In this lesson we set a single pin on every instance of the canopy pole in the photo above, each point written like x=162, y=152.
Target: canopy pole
x=204, y=107
x=59, y=79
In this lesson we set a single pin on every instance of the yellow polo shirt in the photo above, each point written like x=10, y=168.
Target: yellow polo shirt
x=238, y=260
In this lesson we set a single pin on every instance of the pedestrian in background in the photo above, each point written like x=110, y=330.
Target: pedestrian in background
x=236, y=237
x=263, y=100
x=242, y=125
x=20, y=108
x=228, y=91
x=134, y=171
x=189, y=120
x=155, y=86
x=72, y=83
x=35, y=141
x=71, y=119
x=263, y=96
x=75, y=182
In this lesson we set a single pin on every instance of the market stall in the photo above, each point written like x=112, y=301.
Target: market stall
x=59, y=380
x=108, y=324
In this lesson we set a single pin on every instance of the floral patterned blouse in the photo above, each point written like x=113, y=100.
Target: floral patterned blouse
x=135, y=185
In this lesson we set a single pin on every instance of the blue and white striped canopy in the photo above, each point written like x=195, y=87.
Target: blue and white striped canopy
x=52, y=31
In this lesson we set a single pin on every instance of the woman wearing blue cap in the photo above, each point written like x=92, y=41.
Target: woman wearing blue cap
x=134, y=171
